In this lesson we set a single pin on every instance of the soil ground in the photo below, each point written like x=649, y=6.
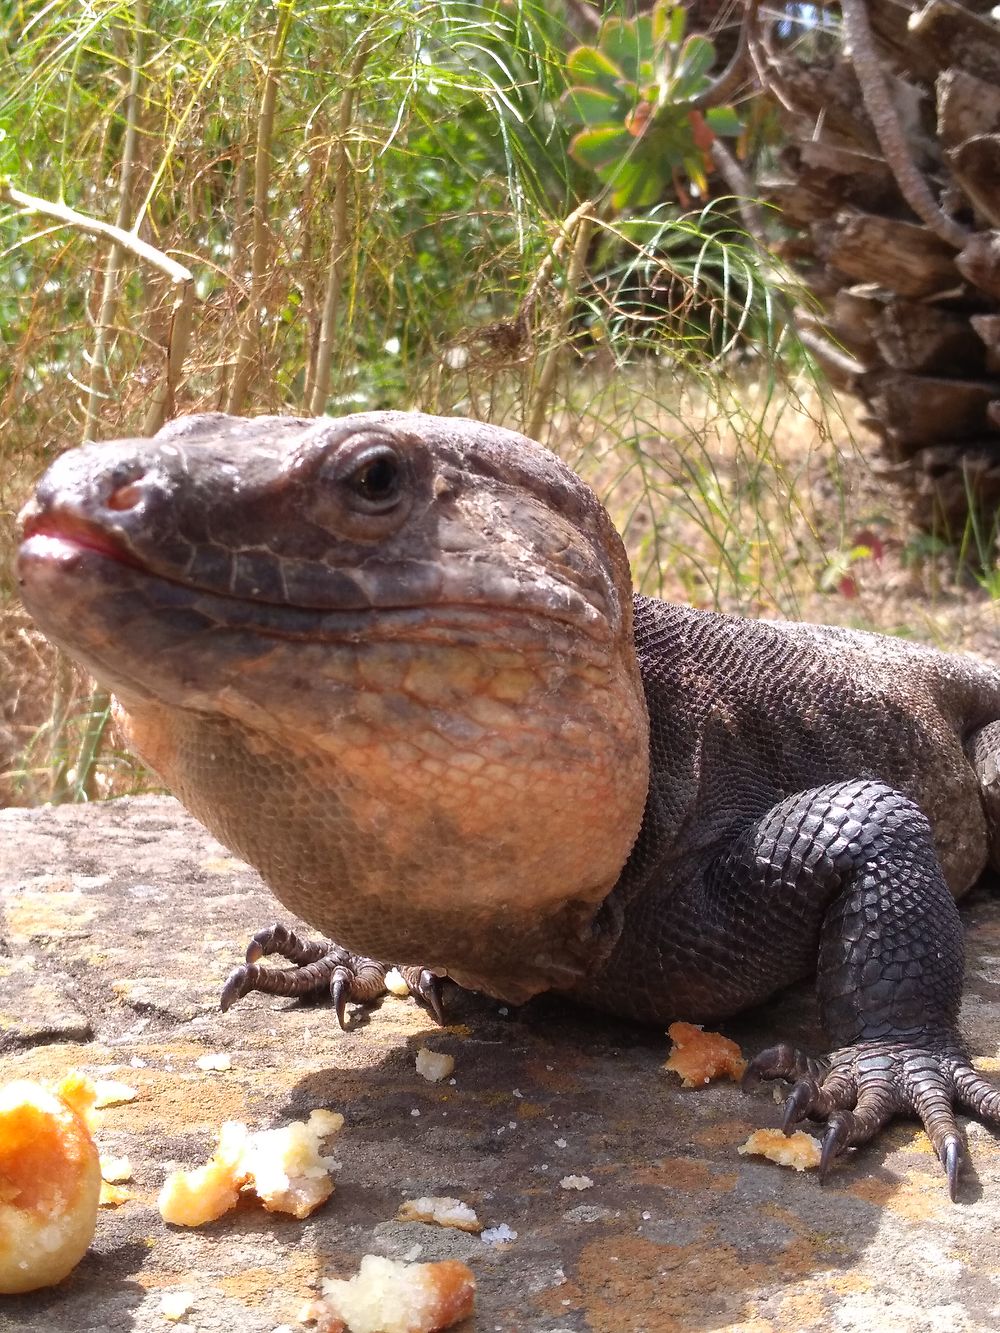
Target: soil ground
x=121, y=921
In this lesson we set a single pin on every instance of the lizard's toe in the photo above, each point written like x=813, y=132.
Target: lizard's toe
x=782, y=1061
x=425, y=987
x=354, y=977
x=281, y=940
x=320, y=968
x=861, y=1088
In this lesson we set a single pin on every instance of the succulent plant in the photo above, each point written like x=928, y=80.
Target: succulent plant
x=636, y=94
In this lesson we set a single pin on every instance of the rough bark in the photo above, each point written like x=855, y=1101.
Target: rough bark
x=890, y=184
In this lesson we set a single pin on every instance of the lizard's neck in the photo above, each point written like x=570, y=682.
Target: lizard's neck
x=467, y=810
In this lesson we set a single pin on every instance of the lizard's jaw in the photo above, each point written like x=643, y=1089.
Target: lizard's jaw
x=465, y=810
x=450, y=787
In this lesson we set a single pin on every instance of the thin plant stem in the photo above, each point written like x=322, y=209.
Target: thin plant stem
x=320, y=388
x=582, y=223
x=250, y=337
x=116, y=252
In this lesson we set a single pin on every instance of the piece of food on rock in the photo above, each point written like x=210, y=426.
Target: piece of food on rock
x=283, y=1167
x=799, y=1150
x=700, y=1056
x=87, y=1095
x=79, y=1091
x=389, y=1297
x=434, y=1065
x=441, y=1209
x=50, y=1182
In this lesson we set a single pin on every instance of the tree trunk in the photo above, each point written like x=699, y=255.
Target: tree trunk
x=891, y=186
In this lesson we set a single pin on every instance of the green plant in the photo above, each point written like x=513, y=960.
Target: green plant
x=638, y=95
x=301, y=208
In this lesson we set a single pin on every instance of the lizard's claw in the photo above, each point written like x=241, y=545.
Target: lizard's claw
x=860, y=1088
x=425, y=987
x=321, y=967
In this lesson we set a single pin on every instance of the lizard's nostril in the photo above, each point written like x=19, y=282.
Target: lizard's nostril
x=125, y=497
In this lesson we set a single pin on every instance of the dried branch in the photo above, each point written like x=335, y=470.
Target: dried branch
x=249, y=338
x=113, y=265
x=889, y=132
x=751, y=213
x=161, y=405
x=340, y=242
x=69, y=217
x=182, y=278
x=723, y=88
x=585, y=14
x=839, y=366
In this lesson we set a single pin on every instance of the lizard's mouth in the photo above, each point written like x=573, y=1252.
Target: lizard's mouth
x=48, y=537
x=61, y=551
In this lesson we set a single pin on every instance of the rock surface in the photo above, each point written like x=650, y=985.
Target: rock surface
x=120, y=924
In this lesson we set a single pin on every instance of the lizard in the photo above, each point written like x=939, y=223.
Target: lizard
x=396, y=662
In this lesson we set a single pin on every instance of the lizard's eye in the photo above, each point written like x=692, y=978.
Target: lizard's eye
x=365, y=485
x=375, y=481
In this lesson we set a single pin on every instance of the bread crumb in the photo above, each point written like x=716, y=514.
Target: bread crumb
x=446, y=1212
x=576, y=1183
x=109, y=1092
x=115, y=1170
x=799, y=1149
x=50, y=1182
x=395, y=983
x=174, y=1305
x=216, y=1063
x=699, y=1056
x=433, y=1065
x=113, y=1196
x=389, y=1297
x=283, y=1167
x=498, y=1235
x=192, y=1198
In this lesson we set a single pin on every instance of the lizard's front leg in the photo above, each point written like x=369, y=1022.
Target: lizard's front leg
x=859, y=857
x=320, y=967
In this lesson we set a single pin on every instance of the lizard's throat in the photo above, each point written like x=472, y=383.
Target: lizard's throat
x=447, y=822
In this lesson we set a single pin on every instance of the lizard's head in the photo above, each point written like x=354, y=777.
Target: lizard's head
x=387, y=658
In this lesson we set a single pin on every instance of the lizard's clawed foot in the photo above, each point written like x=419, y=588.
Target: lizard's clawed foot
x=320, y=968
x=857, y=1090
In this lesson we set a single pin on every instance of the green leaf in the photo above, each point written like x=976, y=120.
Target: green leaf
x=695, y=169
x=590, y=106
x=620, y=43
x=723, y=120
x=602, y=148
x=645, y=42
x=697, y=58
x=672, y=130
x=669, y=22
x=586, y=65
x=628, y=182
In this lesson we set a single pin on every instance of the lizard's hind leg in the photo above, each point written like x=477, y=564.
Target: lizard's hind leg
x=890, y=966
x=983, y=751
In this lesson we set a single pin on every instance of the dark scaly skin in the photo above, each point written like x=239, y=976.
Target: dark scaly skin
x=395, y=662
